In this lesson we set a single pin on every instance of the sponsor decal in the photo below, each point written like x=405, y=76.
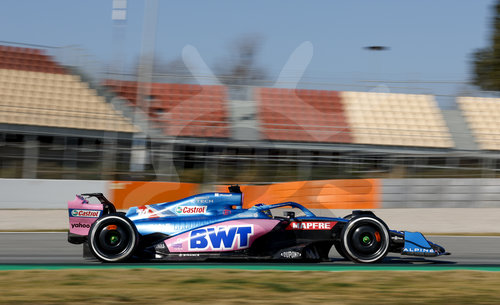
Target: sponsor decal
x=221, y=238
x=80, y=225
x=193, y=210
x=86, y=213
x=291, y=254
x=418, y=250
x=204, y=201
x=188, y=254
x=178, y=244
x=226, y=212
x=223, y=195
x=311, y=225
x=397, y=238
x=147, y=211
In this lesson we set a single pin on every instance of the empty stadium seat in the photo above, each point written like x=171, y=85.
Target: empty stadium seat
x=483, y=118
x=35, y=90
x=395, y=119
x=302, y=115
x=27, y=59
x=180, y=109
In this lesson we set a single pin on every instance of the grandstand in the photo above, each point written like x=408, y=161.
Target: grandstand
x=180, y=109
x=52, y=122
x=302, y=115
x=36, y=91
x=56, y=125
x=483, y=116
x=396, y=119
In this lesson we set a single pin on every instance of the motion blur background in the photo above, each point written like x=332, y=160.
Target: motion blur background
x=254, y=93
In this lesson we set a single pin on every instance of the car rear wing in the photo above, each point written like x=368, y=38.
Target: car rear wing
x=83, y=214
x=108, y=207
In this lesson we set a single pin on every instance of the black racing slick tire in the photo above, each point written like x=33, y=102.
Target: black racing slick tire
x=339, y=250
x=365, y=239
x=113, y=238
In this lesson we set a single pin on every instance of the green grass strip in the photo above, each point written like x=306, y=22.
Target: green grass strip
x=246, y=287
x=258, y=267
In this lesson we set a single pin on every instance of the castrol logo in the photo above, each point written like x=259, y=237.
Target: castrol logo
x=191, y=210
x=85, y=213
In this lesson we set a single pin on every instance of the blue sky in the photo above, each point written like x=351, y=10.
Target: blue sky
x=429, y=40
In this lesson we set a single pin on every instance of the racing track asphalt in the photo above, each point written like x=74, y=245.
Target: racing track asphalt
x=53, y=248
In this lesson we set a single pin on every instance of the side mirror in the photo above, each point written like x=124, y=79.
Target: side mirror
x=288, y=214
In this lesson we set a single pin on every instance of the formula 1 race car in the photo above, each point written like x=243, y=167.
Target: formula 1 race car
x=215, y=225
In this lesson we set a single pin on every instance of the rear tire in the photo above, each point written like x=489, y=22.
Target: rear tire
x=365, y=239
x=113, y=238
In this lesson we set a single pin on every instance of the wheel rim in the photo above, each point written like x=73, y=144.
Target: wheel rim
x=366, y=241
x=113, y=239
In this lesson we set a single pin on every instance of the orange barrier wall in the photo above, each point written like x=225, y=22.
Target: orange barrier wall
x=125, y=194
x=318, y=194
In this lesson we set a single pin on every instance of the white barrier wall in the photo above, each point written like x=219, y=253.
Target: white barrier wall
x=440, y=193
x=44, y=193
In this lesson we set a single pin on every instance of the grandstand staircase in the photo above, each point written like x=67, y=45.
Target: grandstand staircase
x=242, y=112
x=243, y=120
x=462, y=135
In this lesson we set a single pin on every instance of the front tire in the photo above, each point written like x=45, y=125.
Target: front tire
x=339, y=250
x=365, y=239
x=113, y=238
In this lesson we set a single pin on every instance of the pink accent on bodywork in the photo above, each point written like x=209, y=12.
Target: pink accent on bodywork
x=81, y=225
x=260, y=227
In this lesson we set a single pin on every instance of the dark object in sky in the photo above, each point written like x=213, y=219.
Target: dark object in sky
x=377, y=48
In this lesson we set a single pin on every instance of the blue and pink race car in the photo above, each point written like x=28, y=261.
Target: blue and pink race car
x=215, y=225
